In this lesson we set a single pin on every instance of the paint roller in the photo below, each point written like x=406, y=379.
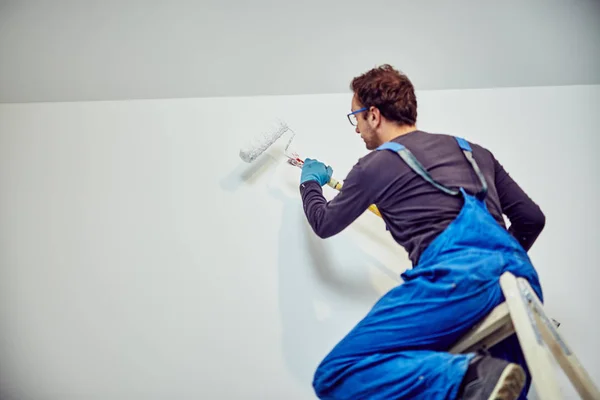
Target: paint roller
x=259, y=144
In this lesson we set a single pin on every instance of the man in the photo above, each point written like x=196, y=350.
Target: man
x=442, y=199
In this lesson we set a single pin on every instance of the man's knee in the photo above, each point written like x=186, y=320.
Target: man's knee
x=323, y=378
x=319, y=385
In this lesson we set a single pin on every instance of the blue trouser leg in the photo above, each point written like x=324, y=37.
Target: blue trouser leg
x=409, y=374
x=399, y=349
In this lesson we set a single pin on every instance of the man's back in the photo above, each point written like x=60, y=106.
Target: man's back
x=416, y=212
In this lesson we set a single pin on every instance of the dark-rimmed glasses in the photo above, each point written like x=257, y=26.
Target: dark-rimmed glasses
x=352, y=116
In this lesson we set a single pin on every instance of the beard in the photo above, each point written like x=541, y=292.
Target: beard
x=370, y=141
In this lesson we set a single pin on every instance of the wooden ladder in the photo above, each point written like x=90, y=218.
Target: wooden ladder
x=523, y=313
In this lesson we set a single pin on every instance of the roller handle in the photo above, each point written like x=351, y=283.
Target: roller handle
x=337, y=185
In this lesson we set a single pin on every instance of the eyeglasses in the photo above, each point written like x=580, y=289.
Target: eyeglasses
x=352, y=116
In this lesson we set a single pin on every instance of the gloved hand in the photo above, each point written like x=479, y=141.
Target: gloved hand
x=316, y=171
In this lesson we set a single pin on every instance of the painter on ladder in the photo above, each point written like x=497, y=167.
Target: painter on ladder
x=443, y=199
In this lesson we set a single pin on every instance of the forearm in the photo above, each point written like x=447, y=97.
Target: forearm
x=315, y=208
x=328, y=218
x=527, y=220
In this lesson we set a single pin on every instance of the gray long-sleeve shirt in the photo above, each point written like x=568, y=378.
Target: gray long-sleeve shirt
x=414, y=211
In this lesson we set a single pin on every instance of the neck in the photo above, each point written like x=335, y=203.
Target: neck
x=393, y=131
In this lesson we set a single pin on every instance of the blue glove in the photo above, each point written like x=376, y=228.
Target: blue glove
x=314, y=170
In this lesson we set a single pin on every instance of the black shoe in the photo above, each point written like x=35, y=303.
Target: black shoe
x=489, y=378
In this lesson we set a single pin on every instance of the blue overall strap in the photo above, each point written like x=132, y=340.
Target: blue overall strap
x=416, y=166
x=466, y=148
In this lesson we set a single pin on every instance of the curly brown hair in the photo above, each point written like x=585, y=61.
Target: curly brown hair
x=388, y=90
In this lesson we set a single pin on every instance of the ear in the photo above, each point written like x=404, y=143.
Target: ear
x=374, y=116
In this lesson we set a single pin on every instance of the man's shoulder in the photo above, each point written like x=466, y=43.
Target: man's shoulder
x=433, y=139
x=376, y=161
x=424, y=138
x=377, y=166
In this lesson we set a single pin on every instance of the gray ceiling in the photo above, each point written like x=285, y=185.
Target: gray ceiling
x=103, y=50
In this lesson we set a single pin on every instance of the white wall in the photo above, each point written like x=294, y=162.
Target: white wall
x=140, y=258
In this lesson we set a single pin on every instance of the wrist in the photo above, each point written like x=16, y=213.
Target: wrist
x=309, y=178
x=310, y=183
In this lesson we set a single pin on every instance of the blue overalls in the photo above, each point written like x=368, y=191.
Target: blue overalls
x=399, y=350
